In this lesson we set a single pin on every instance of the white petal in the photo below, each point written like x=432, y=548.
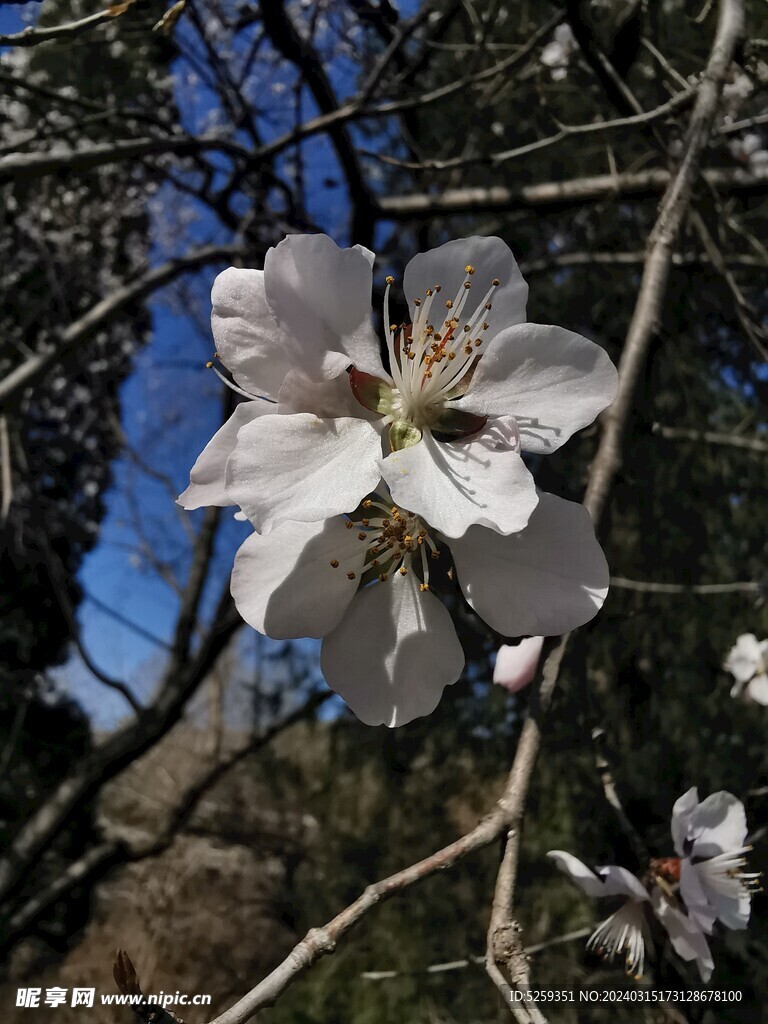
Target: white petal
x=284, y=585
x=543, y=581
x=553, y=55
x=757, y=689
x=207, y=477
x=478, y=481
x=301, y=467
x=743, y=658
x=711, y=894
x=617, y=881
x=393, y=653
x=608, y=880
x=492, y=259
x=320, y=295
x=248, y=340
x=681, y=815
x=693, y=895
x=325, y=398
x=516, y=666
x=718, y=825
x=687, y=939
x=554, y=382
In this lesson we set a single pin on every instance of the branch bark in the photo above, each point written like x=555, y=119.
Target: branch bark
x=562, y=194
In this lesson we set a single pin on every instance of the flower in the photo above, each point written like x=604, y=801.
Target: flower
x=365, y=584
x=467, y=390
x=710, y=839
x=627, y=932
x=556, y=54
x=516, y=666
x=749, y=150
x=747, y=662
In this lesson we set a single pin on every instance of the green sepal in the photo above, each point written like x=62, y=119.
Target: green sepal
x=403, y=435
x=371, y=392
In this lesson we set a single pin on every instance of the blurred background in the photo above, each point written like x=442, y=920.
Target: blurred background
x=179, y=786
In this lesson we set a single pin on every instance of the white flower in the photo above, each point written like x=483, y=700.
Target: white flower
x=709, y=838
x=626, y=932
x=365, y=584
x=516, y=666
x=444, y=427
x=749, y=150
x=747, y=662
x=557, y=53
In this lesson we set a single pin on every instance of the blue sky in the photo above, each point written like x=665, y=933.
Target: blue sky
x=170, y=408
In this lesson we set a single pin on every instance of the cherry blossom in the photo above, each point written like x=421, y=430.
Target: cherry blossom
x=367, y=583
x=469, y=385
x=710, y=839
x=627, y=932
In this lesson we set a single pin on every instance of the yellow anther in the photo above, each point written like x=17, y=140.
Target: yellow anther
x=486, y=326
x=389, y=279
x=411, y=355
x=467, y=328
x=467, y=284
x=495, y=282
x=382, y=577
x=469, y=269
x=335, y=563
x=430, y=329
x=468, y=350
x=375, y=563
x=428, y=374
x=478, y=342
x=350, y=575
x=422, y=533
x=429, y=292
x=434, y=554
x=417, y=302
x=209, y=364
x=367, y=503
x=449, y=303
x=403, y=571
x=438, y=337
x=451, y=355
x=488, y=305
x=362, y=535
x=423, y=587
x=366, y=522
x=393, y=327
x=407, y=539
x=349, y=524
x=438, y=288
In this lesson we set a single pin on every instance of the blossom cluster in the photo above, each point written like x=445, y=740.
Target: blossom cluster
x=686, y=895
x=378, y=476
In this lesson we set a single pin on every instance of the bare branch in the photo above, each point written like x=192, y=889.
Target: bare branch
x=752, y=444
x=562, y=194
x=105, y=311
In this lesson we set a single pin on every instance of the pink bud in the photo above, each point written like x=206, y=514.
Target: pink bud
x=516, y=666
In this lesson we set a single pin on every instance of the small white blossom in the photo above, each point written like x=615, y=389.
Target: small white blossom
x=747, y=662
x=627, y=932
x=710, y=839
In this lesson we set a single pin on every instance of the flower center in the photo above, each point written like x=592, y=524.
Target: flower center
x=394, y=540
x=430, y=358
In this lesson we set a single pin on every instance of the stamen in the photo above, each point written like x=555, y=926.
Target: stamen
x=335, y=563
x=232, y=386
